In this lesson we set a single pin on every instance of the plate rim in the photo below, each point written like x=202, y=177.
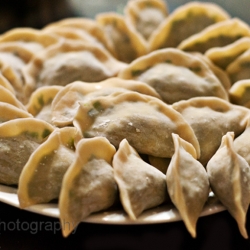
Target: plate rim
x=165, y=213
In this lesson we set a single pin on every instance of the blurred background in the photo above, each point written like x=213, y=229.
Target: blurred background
x=29, y=13
x=239, y=8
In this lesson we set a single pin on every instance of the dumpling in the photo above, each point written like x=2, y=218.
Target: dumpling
x=75, y=34
x=89, y=30
x=219, y=73
x=239, y=93
x=175, y=75
x=141, y=186
x=11, y=112
x=4, y=82
x=239, y=68
x=41, y=178
x=39, y=104
x=8, y=97
x=223, y=56
x=19, y=138
x=13, y=57
x=185, y=21
x=88, y=185
x=128, y=45
x=187, y=183
x=65, y=104
x=241, y=143
x=216, y=35
x=146, y=122
x=67, y=62
x=15, y=49
x=146, y=15
x=211, y=118
x=229, y=177
x=32, y=39
x=70, y=33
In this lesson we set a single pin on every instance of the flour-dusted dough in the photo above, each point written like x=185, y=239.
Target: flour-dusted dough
x=216, y=35
x=19, y=138
x=187, y=183
x=239, y=68
x=41, y=178
x=146, y=15
x=223, y=56
x=185, y=21
x=145, y=121
x=211, y=118
x=80, y=28
x=127, y=42
x=40, y=101
x=66, y=102
x=141, y=186
x=229, y=177
x=239, y=93
x=175, y=75
x=88, y=185
x=69, y=61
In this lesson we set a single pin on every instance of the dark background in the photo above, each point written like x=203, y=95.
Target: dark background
x=30, y=13
x=217, y=231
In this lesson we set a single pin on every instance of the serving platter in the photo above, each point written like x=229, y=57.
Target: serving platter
x=161, y=214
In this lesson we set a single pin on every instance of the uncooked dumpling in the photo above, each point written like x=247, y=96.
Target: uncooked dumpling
x=127, y=43
x=229, y=177
x=88, y=185
x=85, y=29
x=40, y=101
x=66, y=102
x=67, y=62
x=141, y=186
x=10, y=112
x=241, y=143
x=146, y=15
x=185, y=21
x=187, y=183
x=216, y=35
x=239, y=68
x=239, y=93
x=211, y=118
x=19, y=138
x=31, y=39
x=223, y=56
x=145, y=121
x=41, y=178
x=175, y=75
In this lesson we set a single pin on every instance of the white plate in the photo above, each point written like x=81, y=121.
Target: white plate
x=161, y=214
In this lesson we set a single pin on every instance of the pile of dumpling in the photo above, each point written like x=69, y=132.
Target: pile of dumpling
x=141, y=108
